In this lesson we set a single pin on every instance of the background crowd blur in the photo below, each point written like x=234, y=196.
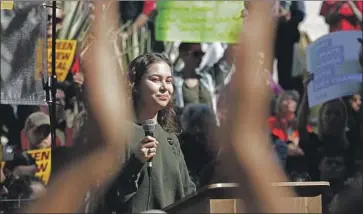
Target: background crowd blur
x=319, y=144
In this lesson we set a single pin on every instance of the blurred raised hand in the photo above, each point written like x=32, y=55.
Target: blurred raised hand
x=245, y=132
x=244, y=135
x=109, y=110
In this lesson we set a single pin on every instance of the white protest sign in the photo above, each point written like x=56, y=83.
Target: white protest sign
x=334, y=61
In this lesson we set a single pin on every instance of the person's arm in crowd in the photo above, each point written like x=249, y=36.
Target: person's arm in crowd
x=103, y=163
x=303, y=114
x=355, y=10
x=147, y=12
x=331, y=12
x=224, y=66
x=297, y=12
x=189, y=186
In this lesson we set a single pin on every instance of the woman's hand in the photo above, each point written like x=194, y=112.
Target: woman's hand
x=147, y=149
x=308, y=78
x=78, y=78
x=294, y=150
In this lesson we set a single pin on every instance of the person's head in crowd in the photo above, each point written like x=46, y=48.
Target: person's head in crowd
x=349, y=200
x=192, y=55
x=59, y=19
x=333, y=165
x=286, y=104
x=151, y=84
x=333, y=118
x=37, y=130
x=300, y=177
x=355, y=102
x=22, y=165
x=198, y=124
x=197, y=119
x=3, y=190
x=61, y=102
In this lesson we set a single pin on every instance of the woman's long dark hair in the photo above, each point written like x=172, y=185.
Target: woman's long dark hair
x=137, y=68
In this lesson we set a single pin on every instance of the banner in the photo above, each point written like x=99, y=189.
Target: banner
x=65, y=54
x=21, y=30
x=43, y=159
x=199, y=21
x=334, y=61
x=7, y=5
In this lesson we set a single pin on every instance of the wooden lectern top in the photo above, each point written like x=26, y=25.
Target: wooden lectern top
x=305, y=189
x=225, y=196
x=299, y=184
x=212, y=191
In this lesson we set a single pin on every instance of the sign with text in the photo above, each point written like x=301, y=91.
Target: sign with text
x=43, y=160
x=199, y=21
x=65, y=53
x=334, y=61
x=7, y=5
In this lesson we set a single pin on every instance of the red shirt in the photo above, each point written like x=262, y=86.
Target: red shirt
x=281, y=133
x=149, y=6
x=345, y=12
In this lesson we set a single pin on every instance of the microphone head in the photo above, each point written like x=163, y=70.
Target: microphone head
x=149, y=125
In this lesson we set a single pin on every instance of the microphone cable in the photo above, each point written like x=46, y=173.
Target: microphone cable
x=149, y=171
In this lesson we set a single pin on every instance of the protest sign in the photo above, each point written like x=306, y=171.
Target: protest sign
x=21, y=30
x=43, y=159
x=334, y=61
x=7, y=5
x=65, y=53
x=199, y=21
x=299, y=55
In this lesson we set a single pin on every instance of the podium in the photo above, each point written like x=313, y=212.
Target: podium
x=223, y=198
x=309, y=195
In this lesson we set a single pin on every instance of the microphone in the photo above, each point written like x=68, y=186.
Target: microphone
x=149, y=127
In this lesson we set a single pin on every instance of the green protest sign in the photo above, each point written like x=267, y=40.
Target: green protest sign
x=199, y=21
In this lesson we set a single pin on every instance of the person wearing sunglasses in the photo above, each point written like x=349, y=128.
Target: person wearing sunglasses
x=195, y=85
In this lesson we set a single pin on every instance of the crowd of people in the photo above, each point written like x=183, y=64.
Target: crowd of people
x=188, y=103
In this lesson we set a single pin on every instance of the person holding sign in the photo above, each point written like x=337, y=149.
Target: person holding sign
x=194, y=86
x=287, y=34
x=333, y=121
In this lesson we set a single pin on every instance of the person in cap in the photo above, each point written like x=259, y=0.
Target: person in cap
x=37, y=130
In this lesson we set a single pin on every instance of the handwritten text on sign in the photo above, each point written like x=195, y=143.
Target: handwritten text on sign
x=65, y=53
x=43, y=160
x=334, y=61
x=199, y=21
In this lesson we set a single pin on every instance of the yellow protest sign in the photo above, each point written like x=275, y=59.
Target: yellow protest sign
x=43, y=160
x=65, y=53
x=7, y=5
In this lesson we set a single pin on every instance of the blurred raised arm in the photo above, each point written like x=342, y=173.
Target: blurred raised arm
x=245, y=133
x=110, y=110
